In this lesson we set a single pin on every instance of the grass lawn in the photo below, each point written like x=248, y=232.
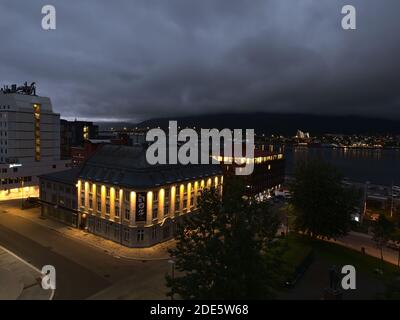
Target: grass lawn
x=295, y=253
x=298, y=247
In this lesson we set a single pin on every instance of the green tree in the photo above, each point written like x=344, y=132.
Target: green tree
x=225, y=250
x=383, y=229
x=322, y=205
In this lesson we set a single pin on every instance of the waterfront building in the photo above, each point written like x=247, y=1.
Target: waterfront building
x=268, y=174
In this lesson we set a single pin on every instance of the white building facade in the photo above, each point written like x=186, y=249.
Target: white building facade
x=29, y=143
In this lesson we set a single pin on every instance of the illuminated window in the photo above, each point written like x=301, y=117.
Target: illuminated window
x=36, y=113
x=127, y=214
x=85, y=132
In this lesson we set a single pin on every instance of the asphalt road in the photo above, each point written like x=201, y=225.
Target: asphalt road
x=81, y=270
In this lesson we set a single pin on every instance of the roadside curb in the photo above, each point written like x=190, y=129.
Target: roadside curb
x=104, y=250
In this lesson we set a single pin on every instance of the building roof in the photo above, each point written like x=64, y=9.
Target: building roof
x=127, y=166
x=69, y=176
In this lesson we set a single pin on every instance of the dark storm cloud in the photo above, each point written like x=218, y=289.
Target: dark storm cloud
x=140, y=59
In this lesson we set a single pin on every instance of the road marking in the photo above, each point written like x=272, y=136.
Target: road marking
x=29, y=265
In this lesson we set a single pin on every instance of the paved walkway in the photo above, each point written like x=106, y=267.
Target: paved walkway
x=19, y=280
x=157, y=252
x=356, y=241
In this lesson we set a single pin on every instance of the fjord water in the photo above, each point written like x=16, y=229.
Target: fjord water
x=378, y=166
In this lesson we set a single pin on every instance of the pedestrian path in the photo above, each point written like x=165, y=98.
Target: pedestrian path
x=19, y=280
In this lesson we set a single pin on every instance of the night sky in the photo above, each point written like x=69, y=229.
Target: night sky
x=133, y=60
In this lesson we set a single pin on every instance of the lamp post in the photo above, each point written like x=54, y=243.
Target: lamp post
x=172, y=263
x=22, y=193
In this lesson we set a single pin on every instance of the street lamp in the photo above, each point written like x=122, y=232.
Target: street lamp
x=172, y=263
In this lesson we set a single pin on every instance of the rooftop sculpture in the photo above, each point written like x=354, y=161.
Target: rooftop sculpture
x=25, y=89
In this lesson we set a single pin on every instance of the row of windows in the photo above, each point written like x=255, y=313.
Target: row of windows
x=64, y=201
x=140, y=234
x=126, y=232
x=15, y=180
x=55, y=187
x=155, y=204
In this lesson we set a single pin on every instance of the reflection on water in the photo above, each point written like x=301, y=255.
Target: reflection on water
x=378, y=166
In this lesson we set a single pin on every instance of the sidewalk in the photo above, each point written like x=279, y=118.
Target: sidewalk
x=19, y=280
x=157, y=252
x=356, y=241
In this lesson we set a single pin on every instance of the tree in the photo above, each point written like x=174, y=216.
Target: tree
x=322, y=205
x=383, y=230
x=395, y=236
x=225, y=250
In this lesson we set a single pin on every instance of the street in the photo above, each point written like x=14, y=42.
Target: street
x=82, y=270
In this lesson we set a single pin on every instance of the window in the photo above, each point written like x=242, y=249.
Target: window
x=108, y=191
x=98, y=191
x=166, y=208
x=155, y=211
x=107, y=208
x=127, y=214
x=90, y=204
x=98, y=225
x=116, y=194
x=99, y=206
x=166, y=232
x=117, y=212
x=177, y=203
x=82, y=202
x=140, y=235
x=126, y=195
x=155, y=196
x=126, y=235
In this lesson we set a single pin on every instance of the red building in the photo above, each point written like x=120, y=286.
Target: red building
x=81, y=153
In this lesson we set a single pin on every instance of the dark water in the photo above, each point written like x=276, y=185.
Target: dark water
x=375, y=165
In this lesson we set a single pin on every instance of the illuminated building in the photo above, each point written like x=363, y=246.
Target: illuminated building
x=29, y=141
x=268, y=174
x=124, y=199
